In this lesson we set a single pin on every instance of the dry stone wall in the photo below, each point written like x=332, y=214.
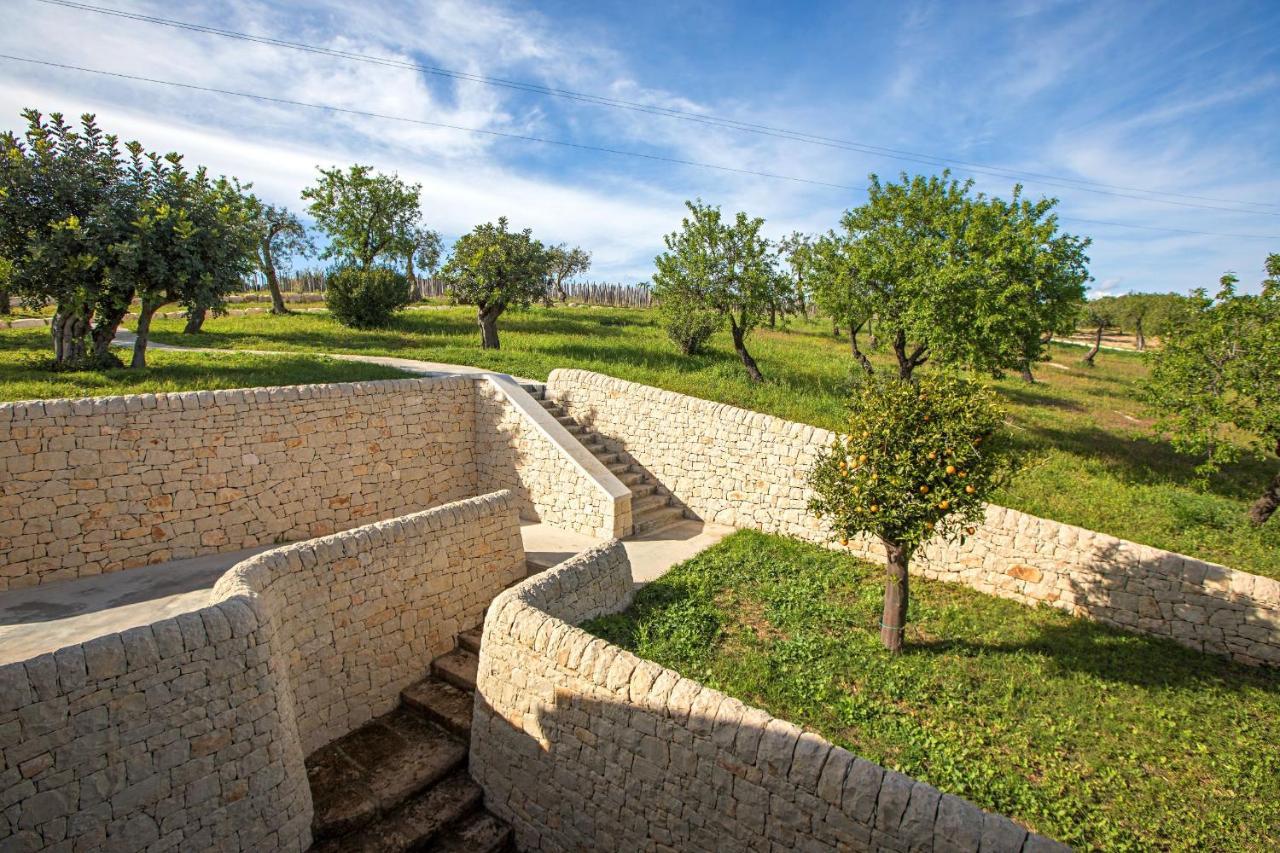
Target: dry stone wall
x=190, y=733
x=581, y=745
x=97, y=485
x=746, y=469
x=519, y=446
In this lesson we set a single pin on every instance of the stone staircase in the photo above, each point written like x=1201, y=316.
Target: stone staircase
x=652, y=506
x=400, y=782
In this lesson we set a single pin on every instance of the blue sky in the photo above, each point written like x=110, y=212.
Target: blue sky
x=1177, y=98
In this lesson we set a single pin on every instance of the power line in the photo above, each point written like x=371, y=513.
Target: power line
x=543, y=140
x=1115, y=190
x=409, y=120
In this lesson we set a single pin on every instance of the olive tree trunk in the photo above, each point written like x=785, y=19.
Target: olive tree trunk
x=69, y=328
x=488, y=319
x=1097, y=345
x=896, y=594
x=740, y=347
x=195, y=320
x=858, y=354
x=145, y=313
x=273, y=284
x=1140, y=339
x=1025, y=370
x=1264, y=507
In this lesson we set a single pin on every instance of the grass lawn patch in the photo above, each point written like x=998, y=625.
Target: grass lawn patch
x=1094, y=462
x=1099, y=738
x=24, y=373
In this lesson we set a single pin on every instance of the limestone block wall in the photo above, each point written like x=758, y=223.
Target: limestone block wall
x=97, y=485
x=359, y=615
x=581, y=745
x=746, y=469
x=190, y=733
x=521, y=447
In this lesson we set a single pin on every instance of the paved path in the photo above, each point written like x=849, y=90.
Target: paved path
x=44, y=618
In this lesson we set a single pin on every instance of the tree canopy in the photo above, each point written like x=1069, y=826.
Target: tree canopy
x=494, y=268
x=960, y=279
x=367, y=215
x=1218, y=370
x=281, y=237
x=563, y=264
x=724, y=266
x=917, y=460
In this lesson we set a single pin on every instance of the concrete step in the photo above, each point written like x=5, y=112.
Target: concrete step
x=423, y=822
x=481, y=833
x=458, y=667
x=619, y=467
x=646, y=504
x=656, y=519
x=632, y=478
x=640, y=489
x=566, y=420
x=442, y=703
x=374, y=769
x=470, y=638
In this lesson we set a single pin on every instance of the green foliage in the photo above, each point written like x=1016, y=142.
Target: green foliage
x=563, y=264
x=917, y=460
x=366, y=298
x=1219, y=370
x=494, y=269
x=719, y=266
x=1099, y=738
x=367, y=215
x=960, y=279
x=689, y=323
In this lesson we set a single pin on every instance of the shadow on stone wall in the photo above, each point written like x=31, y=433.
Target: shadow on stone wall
x=586, y=773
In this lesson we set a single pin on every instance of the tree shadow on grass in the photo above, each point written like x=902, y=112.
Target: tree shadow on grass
x=1032, y=398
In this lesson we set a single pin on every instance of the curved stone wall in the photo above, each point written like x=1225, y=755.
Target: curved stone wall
x=190, y=733
x=581, y=745
x=746, y=469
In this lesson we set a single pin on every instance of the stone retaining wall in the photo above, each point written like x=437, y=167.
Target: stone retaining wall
x=581, y=745
x=98, y=485
x=190, y=733
x=746, y=469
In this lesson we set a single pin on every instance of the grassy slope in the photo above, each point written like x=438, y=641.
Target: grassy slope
x=23, y=376
x=1095, y=464
x=1099, y=738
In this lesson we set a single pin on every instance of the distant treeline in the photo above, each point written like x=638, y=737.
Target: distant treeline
x=583, y=292
x=1137, y=314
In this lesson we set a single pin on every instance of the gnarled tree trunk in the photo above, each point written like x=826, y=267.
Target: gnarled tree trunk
x=1025, y=370
x=1097, y=345
x=1264, y=507
x=145, y=313
x=896, y=596
x=858, y=354
x=195, y=320
x=740, y=347
x=488, y=319
x=273, y=285
x=69, y=328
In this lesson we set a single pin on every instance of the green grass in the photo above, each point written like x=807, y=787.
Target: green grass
x=24, y=374
x=1094, y=461
x=1102, y=739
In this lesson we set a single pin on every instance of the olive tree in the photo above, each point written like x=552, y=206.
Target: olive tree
x=494, y=269
x=366, y=215
x=63, y=204
x=424, y=249
x=280, y=236
x=840, y=293
x=1097, y=314
x=959, y=279
x=917, y=461
x=1218, y=370
x=563, y=264
x=722, y=266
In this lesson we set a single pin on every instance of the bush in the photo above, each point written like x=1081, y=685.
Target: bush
x=366, y=298
x=689, y=324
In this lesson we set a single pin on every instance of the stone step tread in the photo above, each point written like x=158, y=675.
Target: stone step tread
x=458, y=667
x=619, y=467
x=640, y=490
x=442, y=702
x=375, y=768
x=656, y=518
x=480, y=833
x=470, y=638
x=417, y=824
x=648, y=503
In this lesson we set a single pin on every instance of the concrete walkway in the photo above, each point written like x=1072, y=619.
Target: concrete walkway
x=44, y=618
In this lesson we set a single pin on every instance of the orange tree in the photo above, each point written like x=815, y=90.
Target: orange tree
x=917, y=462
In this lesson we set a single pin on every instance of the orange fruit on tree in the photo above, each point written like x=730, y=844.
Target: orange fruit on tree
x=951, y=469
x=944, y=504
